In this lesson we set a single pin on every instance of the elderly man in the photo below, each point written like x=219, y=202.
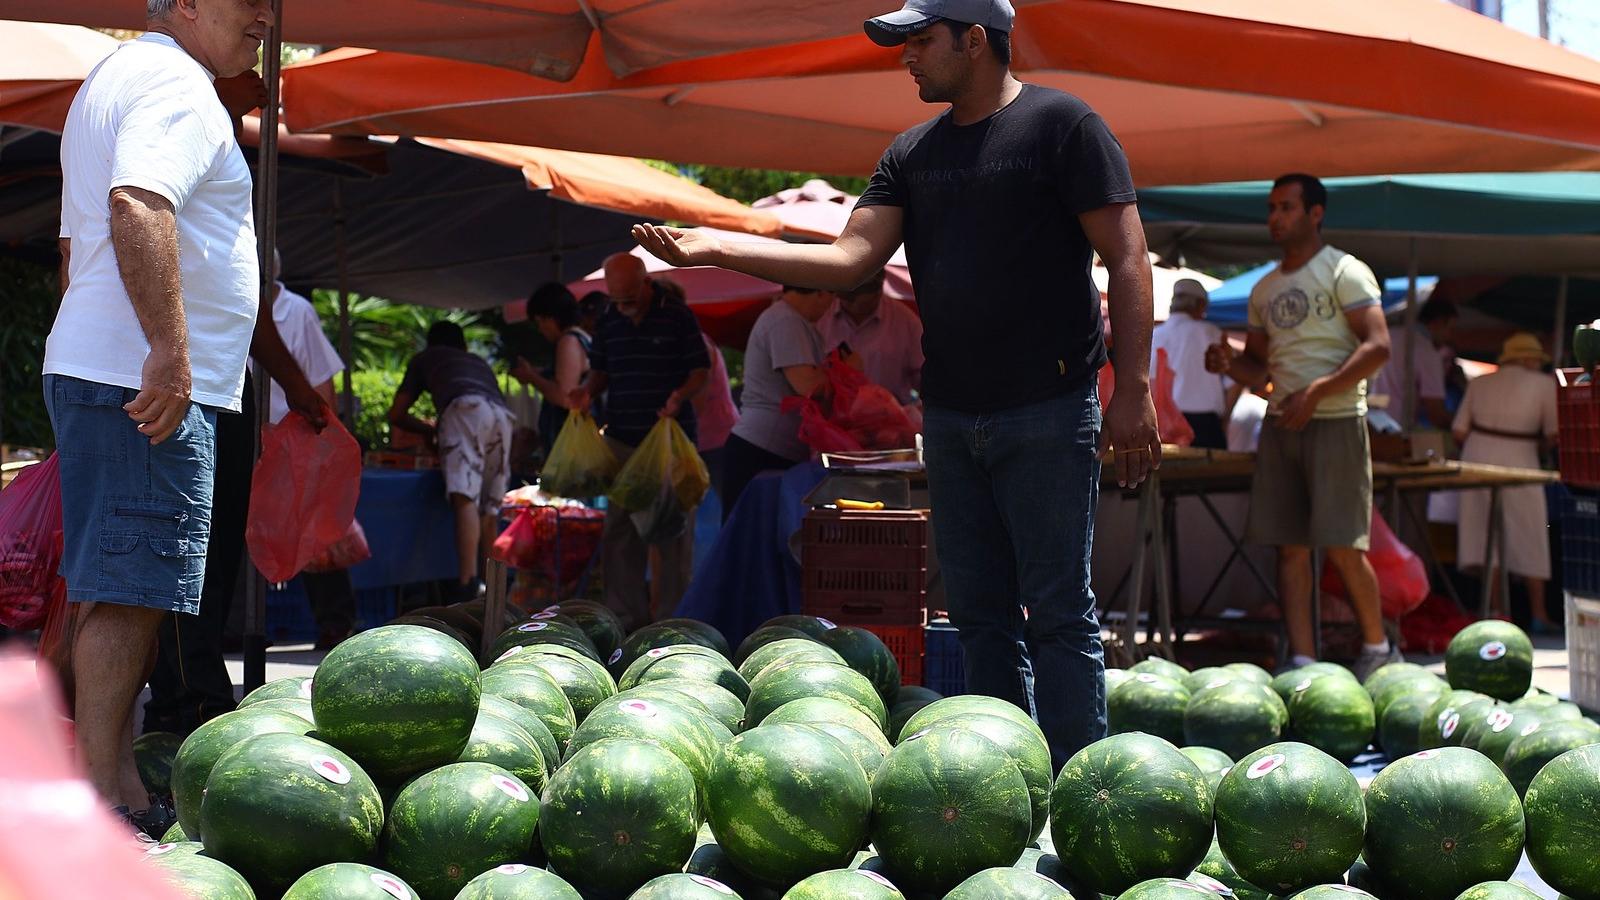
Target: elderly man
x=888, y=336
x=650, y=361
x=158, y=314
x=1185, y=335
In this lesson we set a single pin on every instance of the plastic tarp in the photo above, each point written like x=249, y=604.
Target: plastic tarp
x=41, y=68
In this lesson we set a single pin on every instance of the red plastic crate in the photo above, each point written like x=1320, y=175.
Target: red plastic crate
x=863, y=567
x=905, y=642
x=1578, y=417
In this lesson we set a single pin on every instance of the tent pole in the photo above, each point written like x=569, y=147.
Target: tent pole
x=1413, y=311
x=1558, y=346
x=347, y=406
x=255, y=593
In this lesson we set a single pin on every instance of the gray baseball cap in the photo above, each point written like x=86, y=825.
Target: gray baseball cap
x=890, y=29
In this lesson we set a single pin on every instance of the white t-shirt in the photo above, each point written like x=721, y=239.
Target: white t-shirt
x=301, y=330
x=1303, y=315
x=1427, y=371
x=148, y=117
x=1185, y=339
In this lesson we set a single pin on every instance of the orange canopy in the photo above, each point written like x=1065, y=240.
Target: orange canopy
x=1197, y=91
x=41, y=67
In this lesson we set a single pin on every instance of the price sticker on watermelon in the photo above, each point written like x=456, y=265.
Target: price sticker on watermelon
x=389, y=885
x=644, y=709
x=712, y=884
x=656, y=653
x=547, y=614
x=511, y=787
x=1146, y=678
x=1265, y=766
x=530, y=627
x=509, y=653
x=511, y=869
x=827, y=625
x=1492, y=651
x=615, y=655
x=330, y=769
x=1450, y=725
x=1500, y=720
x=875, y=877
x=161, y=850
x=305, y=689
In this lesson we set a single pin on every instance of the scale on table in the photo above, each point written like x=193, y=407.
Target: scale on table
x=869, y=476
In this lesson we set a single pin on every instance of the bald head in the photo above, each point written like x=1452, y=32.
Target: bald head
x=628, y=285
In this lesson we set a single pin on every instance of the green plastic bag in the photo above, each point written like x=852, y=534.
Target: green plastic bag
x=662, y=482
x=580, y=463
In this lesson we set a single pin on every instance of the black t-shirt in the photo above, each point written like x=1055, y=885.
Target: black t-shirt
x=998, y=259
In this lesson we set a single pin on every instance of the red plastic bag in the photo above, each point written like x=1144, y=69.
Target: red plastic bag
x=1171, y=424
x=302, y=496
x=860, y=415
x=875, y=418
x=31, y=546
x=350, y=550
x=555, y=542
x=816, y=431
x=1402, y=576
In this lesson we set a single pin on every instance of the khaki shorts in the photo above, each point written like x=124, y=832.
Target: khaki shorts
x=1313, y=488
x=475, y=443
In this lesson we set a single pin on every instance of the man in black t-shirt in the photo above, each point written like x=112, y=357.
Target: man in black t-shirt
x=1001, y=202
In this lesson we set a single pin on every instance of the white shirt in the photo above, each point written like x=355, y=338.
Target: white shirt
x=1388, y=387
x=1185, y=339
x=1244, y=423
x=148, y=117
x=889, y=341
x=301, y=330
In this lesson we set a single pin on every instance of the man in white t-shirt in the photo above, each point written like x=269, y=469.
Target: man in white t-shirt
x=1184, y=336
x=887, y=336
x=157, y=316
x=1317, y=332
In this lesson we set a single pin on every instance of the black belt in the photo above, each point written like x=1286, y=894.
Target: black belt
x=1512, y=435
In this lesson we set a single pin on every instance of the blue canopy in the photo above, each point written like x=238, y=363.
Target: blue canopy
x=1230, y=300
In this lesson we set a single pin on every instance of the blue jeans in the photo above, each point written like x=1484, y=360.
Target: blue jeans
x=1014, y=496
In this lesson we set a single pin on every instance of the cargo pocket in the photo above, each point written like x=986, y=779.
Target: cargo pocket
x=90, y=421
x=145, y=550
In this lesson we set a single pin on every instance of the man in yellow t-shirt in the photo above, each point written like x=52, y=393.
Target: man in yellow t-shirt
x=1317, y=333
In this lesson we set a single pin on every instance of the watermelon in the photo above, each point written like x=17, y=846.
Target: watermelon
x=438, y=625
x=198, y=876
x=1008, y=884
x=1235, y=716
x=683, y=886
x=711, y=861
x=278, y=805
x=1335, y=715
x=452, y=824
x=1532, y=751
x=710, y=633
x=868, y=654
x=900, y=714
x=1498, y=718
x=400, y=699
x=1284, y=682
x=947, y=804
x=661, y=634
x=785, y=650
x=1105, y=800
x=845, y=884
x=764, y=636
x=179, y=847
x=1392, y=672
x=1250, y=671
x=1430, y=733
x=1333, y=892
x=1289, y=816
x=787, y=801
x=1148, y=702
x=598, y=622
x=689, y=737
x=1426, y=684
x=1217, y=867
x=1441, y=821
x=1159, y=666
x=1459, y=724
x=792, y=680
x=298, y=686
x=692, y=663
x=718, y=705
x=499, y=740
x=843, y=722
x=1115, y=677
x=1021, y=739
x=1199, y=678
x=206, y=744
x=810, y=625
x=349, y=881
x=459, y=618
x=1491, y=657
x=514, y=881
x=538, y=693
x=1563, y=712
x=1497, y=738
x=1168, y=889
x=291, y=705
x=969, y=704
x=549, y=750
x=1213, y=763
x=617, y=814
x=911, y=693
x=174, y=834
x=539, y=632
x=584, y=681
x=1498, y=890
x=153, y=754
x=1562, y=804
x=1400, y=728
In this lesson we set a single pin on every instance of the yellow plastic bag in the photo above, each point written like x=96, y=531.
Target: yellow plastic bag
x=662, y=481
x=580, y=463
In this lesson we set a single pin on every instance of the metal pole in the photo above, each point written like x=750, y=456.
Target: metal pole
x=1558, y=345
x=1413, y=311
x=255, y=594
x=347, y=405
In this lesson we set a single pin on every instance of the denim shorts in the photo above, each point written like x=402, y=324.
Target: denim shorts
x=135, y=517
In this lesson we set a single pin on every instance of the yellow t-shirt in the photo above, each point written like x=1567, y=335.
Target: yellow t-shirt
x=1302, y=315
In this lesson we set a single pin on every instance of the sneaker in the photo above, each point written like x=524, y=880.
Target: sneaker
x=1371, y=660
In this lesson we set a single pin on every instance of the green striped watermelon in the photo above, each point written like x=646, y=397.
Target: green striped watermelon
x=1290, y=816
x=947, y=708
x=689, y=737
x=685, y=663
x=1155, y=665
x=1201, y=677
x=1563, y=712
x=1213, y=763
x=786, y=650
x=787, y=801
x=1234, y=715
x=153, y=754
x=538, y=693
x=792, y=680
x=291, y=705
x=201, y=749
x=399, y=699
x=584, y=681
x=179, y=847
x=711, y=861
x=1491, y=657
x=900, y=714
x=710, y=633
x=192, y=875
x=500, y=741
x=349, y=881
x=1334, y=715
x=1498, y=890
x=811, y=625
x=845, y=884
x=1008, y=884
x=1017, y=735
x=1333, y=892
x=683, y=886
x=661, y=634
x=1455, y=729
x=1499, y=735
x=452, y=824
x=764, y=636
x=439, y=625
x=1284, y=682
x=1498, y=720
x=1531, y=752
x=1169, y=889
x=1536, y=699
x=1401, y=726
x=1216, y=866
x=617, y=814
x=1115, y=677
x=1148, y=702
x=598, y=622
x=520, y=716
x=538, y=632
x=842, y=721
x=515, y=881
x=1426, y=684
x=1251, y=672
x=1389, y=673
x=915, y=693
x=1441, y=821
x=1431, y=732
x=868, y=654
x=174, y=834
x=1563, y=810
x=947, y=804
x=717, y=704
x=298, y=686
x=1105, y=800
x=279, y=805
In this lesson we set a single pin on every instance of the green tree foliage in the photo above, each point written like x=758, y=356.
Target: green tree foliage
x=28, y=294
x=385, y=335
x=750, y=185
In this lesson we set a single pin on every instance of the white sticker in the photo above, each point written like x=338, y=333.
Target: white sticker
x=1424, y=754
x=305, y=689
x=330, y=769
x=1492, y=651
x=656, y=653
x=1532, y=727
x=527, y=627
x=829, y=626
x=644, y=709
x=509, y=653
x=1300, y=688
x=1450, y=725
x=1265, y=766
x=712, y=883
x=1448, y=712
x=615, y=655
x=161, y=849
x=1210, y=884
x=1146, y=677
x=918, y=735
x=874, y=876
x=1218, y=682
x=390, y=886
x=547, y=614
x=1500, y=720
x=511, y=787
x=511, y=869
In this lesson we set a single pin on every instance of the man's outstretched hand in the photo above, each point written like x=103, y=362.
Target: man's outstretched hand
x=676, y=246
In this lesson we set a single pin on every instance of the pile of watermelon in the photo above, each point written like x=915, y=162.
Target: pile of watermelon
x=579, y=763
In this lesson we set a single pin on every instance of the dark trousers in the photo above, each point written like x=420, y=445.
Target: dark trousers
x=742, y=461
x=1208, y=430
x=333, y=601
x=190, y=683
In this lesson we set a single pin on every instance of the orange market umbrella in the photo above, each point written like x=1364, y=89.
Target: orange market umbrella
x=1197, y=91
x=41, y=68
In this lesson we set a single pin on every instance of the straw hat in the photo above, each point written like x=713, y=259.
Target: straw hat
x=1520, y=346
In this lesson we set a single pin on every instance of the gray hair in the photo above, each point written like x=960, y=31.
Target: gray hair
x=158, y=9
